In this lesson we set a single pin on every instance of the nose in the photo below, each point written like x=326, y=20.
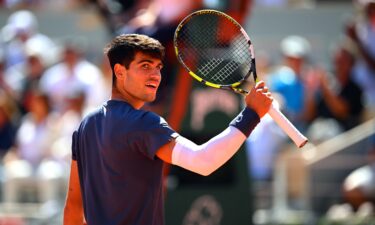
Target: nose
x=155, y=73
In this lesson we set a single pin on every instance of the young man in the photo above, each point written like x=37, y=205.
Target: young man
x=118, y=151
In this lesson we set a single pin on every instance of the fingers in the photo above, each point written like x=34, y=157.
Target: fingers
x=260, y=99
x=269, y=95
x=263, y=90
x=261, y=87
x=260, y=84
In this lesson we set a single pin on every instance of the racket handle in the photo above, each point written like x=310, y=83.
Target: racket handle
x=287, y=126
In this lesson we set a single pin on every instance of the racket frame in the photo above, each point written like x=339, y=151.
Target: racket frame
x=241, y=86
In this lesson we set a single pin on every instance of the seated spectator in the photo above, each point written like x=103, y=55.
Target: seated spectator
x=66, y=124
x=29, y=74
x=22, y=29
x=28, y=164
x=74, y=72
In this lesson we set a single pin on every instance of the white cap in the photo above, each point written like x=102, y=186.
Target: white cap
x=295, y=46
x=23, y=20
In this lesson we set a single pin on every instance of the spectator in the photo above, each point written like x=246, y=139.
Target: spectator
x=74, y=72
x=288, y=79
x=262, y=154
x=158, y=15
x=362, y=32
x=29, y=74
x=28, y=164
x=342, y=102
x=22, y=29
x=117, y=12
x=359, y=186
x=159, y=20
x=65, y=125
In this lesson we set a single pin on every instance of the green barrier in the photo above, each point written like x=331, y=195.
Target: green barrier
x=193, y=199
x=224, y=196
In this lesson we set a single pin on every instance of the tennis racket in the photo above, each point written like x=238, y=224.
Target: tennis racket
x=216, y=51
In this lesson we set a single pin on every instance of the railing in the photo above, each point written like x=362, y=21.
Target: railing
x=322, y=169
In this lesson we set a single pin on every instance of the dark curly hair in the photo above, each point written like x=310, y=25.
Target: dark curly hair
x=122, y=49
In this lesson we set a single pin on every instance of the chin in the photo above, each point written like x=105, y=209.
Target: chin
x=150, y=99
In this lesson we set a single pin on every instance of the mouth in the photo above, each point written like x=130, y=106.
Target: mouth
x=152, y=85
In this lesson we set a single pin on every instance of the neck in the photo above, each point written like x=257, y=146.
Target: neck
x=117, y=95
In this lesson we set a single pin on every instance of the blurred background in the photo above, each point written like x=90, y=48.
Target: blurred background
x=316, y=56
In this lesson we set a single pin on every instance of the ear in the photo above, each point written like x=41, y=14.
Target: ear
x=119, y=70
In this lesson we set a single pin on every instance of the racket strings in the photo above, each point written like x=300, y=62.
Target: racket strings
x=220, y=74
x=218, y=54
x=209, y=66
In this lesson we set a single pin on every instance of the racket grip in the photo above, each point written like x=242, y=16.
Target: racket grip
x=299, y=139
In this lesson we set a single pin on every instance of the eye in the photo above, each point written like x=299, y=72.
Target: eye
x=145, y=66
x=159, y=67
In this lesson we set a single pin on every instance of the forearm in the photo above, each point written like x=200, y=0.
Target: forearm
x=309, y=109
x=205, y=159
x=208, y=157
x=336, y=104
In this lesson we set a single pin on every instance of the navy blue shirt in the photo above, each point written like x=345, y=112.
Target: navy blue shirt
x=120, y=176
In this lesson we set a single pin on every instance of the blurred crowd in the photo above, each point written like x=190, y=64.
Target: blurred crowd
x=322, y=102
x=46, y=87
x=43, y=4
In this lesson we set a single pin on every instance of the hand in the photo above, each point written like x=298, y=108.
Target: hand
x=259, y=99
x=314, y=80
x=323, y=77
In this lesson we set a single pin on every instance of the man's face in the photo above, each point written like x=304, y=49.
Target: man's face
x=295, y=63
x=141, y=80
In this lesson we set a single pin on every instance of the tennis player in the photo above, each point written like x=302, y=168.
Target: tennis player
x=118, y=151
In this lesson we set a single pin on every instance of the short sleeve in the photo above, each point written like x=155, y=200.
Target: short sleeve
x=155, y=134
x=161, y=135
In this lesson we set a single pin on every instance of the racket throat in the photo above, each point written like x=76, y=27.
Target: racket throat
x=244, y=88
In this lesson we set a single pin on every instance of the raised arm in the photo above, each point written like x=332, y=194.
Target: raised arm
x=208, y=157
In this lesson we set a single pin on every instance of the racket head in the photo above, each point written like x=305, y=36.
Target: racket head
x=215, y=49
